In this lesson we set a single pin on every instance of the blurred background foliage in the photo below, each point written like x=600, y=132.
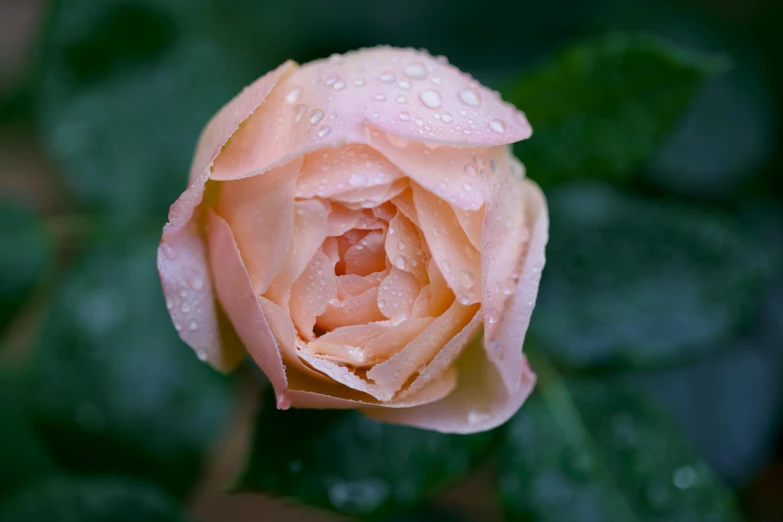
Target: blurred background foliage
x=658, y=336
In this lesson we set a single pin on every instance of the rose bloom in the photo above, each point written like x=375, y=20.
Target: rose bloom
x=360, y=227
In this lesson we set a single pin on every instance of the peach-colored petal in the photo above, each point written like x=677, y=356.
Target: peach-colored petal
x=310, y=230
x=214, y=136
x=451, y=173
x=329, y=172
x=404, y=203
x=342, y=219
x=404, y=248
x=352, y=284
x=184, y=274
x=260, y=212
x=395, y=339
x=472, y=222
x=385, y=211
x=366, y=256
x=480, y=401
x=330, y=102
x=503, y=343
x=447, y=355
x=441, y=295
x=422, y=306
x=505, y=238
x=369, y=197
x=311, y=293
x=306, y=393
x=346, y=344
x=359, y=309
x=456, y=258
x=347, y=377
x=235, y=292
x=393, y=373
x=397, y=294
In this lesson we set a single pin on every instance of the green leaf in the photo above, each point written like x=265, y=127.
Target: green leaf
x=344, y=461
x=113, y=387
x=125, y=89
x=25, y=254
x=587, y=451
x=95, y=499
x=638, y=283
x=22, y=457
x=601, y=108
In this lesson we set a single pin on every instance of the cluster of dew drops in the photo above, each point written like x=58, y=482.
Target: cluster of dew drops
x=429, y=96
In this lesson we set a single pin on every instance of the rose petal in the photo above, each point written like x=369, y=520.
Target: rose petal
x=472, y=222
x=311, y=293
x=370, y=197
x=404, y=203
x=404, y=248
x=366, y=256
x=503, y=343
x=342, y=219
x=352, y=284
x=359, y=309
x=395, y=339
x=441, y=294
x=393, y=373
x=184, y=274
x=346, y=344
x=306, y=393
x=235, y=292
x=480, y=401
x=331, y=172
x=260, y=212
x=329, y=102
x=310, y=230
x=456, y=258
x=347, y=377
x=397, y=294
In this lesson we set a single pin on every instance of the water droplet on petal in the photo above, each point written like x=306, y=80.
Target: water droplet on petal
x=467, y=187
x=193, y=326
x=201, y=354
x=380, y=97
x=419, y=122
x=430, y=98
x=401, y=98
x=446, y=117
x=471, y=170
x=467, y=279
x=359, y=82
x=470, y=97
x=299, y=112
x=324, y=131
x=357, y=180
x=388, y=76
x=405, y=116
x=316, y=116
x=415, y=71
x=498, y=126
x=168, y=251
x=293, y=95
x=339, y=85
x=492, y=315
x=464, y=300
x=399, y=262
x=404, y=84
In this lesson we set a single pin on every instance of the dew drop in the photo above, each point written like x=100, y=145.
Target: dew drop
x=470, y=97
x=498, y=126
x=169, y=303
x=419, y=122
x=380, y=97
x=388, y=76
x=430, y=98
x=293, y=95
x=509, y=286
x=193, y=326
x=339, y=85
x=399, y=262
x=401, y=98
x=324, y=131
x=201, y=354
x=471, y=170
x=299, y=112
x=185, y=307
x=415, y=71
x=316, y=116
x=404, y=84
x=405, y=116
x=464, y=300
x=492, y=315
x=359, y=82
x=168, y=251
x=467, y=187
x=446, y=117
x=357, y=180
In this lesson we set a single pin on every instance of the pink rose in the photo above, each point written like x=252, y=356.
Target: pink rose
x=358, y=220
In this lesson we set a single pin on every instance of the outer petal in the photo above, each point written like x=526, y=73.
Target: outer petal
x=504, y=343
x=184, y=273
x=235, y=293
x=480, y=401
x=329, y=102
x=182, y=248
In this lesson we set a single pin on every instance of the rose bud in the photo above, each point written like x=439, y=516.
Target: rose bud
x=361, y=225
